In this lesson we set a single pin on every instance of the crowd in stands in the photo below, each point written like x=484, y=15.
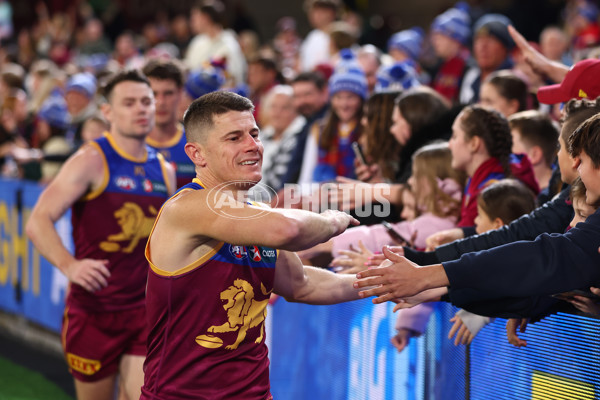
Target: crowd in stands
x=462, y=145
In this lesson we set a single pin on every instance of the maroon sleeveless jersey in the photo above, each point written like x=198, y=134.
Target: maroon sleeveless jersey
x=207, y=325
x=114, y=223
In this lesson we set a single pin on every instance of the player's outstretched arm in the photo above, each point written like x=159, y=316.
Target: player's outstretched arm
x=227, y=219
x=311, y=285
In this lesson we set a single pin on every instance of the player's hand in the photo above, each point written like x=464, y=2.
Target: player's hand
x=394, y=278
x=511, y=331
x=90, y=274
x=339, y=220
x=463, y=334
x=443, y=237
x=400, y=341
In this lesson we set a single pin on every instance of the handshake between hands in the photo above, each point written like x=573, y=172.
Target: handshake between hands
x=391, y=277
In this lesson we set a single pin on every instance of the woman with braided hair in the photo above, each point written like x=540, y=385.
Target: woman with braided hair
x=481, y=146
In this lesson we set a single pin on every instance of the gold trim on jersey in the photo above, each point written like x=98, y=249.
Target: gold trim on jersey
x=215, y=248
x=188, y=267
x=122, y=152
x=105, y=175
x=199, y=182
x=171, y=186
x=169, y=143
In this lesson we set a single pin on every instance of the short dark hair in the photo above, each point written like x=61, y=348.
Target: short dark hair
x=506, y=199
x=133, y=75
x=164, y=70
x=586, y=138
x=509, y=86
x=315, y=78
x=199, y=116
x=537, y=129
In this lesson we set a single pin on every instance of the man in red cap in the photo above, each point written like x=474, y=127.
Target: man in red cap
x=581, y=82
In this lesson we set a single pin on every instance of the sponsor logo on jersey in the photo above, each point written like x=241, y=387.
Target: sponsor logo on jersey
x=238, y=252
x=269, y=255
x=154, y=187
x=255, y=253
x=147, y=186
x=125, y=182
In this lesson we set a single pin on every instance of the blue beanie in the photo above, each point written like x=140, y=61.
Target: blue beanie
x=588, y=10
x=454, y=23
x=84, y=83
x=409, y=41
x=399, y=76
x=495, y=25
x=54, y=112
x=348, y=76
x=203, y=81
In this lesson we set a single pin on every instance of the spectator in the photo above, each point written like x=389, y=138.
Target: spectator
x=328, y=152
x=554, y=44
x=504, y=92
x=315, y=47
x=311, y=96
x=213, y=41
x=94, y=40
x=491, y=52
x=80, y=92
x=262, y=77
x=198, y=83
x=280, y=136
x=450, y=36
x=535, y=134
x=369, y=58
x=287, y=46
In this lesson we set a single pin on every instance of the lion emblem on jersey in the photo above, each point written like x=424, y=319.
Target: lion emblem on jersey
x=135, y=225
x=243, y=312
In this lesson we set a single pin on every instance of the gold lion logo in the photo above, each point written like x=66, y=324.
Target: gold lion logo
x=243, y=312
x=134, y=227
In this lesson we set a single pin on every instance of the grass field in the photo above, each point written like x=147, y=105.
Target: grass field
x=20, y=383
x=30, y=371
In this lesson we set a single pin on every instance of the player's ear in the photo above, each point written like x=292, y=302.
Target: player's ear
x=106, y=110
x=196, y=153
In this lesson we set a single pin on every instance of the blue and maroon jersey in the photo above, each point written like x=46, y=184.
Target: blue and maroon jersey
x=174, y=152
x=207, y=325
x=114, y=221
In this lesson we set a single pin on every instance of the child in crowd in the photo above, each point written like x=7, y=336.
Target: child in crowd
x=534, y=133
x=379, y=146
x=505, y=92
x=436, y=189
x=328, y=151
x=481, y=146
x=498, y=204
x=450, y=36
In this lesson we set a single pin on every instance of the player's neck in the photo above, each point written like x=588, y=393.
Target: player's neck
x=134, y=146
x=164, y=133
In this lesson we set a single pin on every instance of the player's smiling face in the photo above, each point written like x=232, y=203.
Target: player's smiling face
x=233, y=150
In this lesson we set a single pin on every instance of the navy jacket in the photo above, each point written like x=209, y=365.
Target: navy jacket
x=552, y=217
x=514, y=279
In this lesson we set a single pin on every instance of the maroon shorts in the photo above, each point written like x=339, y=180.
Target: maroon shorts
x=94, y=342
